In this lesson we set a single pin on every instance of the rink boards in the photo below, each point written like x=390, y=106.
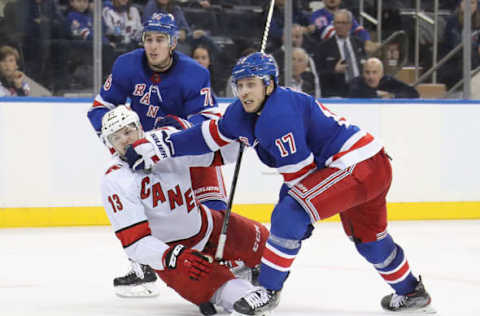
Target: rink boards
x=51, y=161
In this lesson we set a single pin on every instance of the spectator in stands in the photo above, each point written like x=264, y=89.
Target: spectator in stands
x=277, y=23
x=168, y=6
x=14, y=82
x=202, y=3
x=322, y=21
x=187, y=39
x=37, y=25
x=297, y=42
x=303, y=79
x=374, y=84
x=80, y=47
x=123, y=25
x=79, y=20
x=339, y=59
x=452, y=71
x=203, y=54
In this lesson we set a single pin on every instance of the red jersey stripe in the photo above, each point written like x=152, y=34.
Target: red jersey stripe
x=211, y=113
x=217, y=159
x=97, y=104
x=360, y=143
x=130, y=235
x=112, y=168
x=140, y=142
x=396, y=275
x=276, y=259
x=287, y=177
x=213, y=129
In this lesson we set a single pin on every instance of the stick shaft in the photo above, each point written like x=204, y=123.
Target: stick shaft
x=223, y=235
x=222, y=239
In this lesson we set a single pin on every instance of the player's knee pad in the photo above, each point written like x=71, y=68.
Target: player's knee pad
x=380, y=252
x=290, y=221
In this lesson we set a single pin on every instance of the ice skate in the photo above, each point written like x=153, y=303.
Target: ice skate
x=260, y=302
x=140, y=281
x=241, y=271
x=418, y=301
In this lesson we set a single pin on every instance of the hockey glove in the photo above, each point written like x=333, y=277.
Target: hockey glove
x=173, y=120
x=145, y=152
x=187, y=260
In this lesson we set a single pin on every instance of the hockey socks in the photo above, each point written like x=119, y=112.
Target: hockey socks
x=276, y=263
x=290, y=224
x=390, y=262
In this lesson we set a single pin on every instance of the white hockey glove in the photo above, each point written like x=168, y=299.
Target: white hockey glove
x=147, y=151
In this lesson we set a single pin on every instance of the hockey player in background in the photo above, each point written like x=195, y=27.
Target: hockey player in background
x=329, y=166
x=157, y=80
x=160, y=224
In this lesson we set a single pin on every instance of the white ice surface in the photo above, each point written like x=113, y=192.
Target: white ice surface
x=69, y=271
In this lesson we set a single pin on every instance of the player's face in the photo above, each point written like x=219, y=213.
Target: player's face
x=158, y=49
x=252, y=92
x=124, y=137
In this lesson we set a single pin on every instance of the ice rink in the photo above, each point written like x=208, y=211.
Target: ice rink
x=69, y=271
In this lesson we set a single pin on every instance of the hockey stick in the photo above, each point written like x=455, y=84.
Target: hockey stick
x=222, y=239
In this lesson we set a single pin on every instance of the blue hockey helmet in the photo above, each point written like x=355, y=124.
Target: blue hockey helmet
x=161, y=23
x=257, y=64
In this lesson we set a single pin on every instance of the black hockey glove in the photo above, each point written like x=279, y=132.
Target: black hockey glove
x=173, y=120
x=186, y=260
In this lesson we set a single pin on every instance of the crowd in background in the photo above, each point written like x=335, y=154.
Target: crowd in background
x=46, y=45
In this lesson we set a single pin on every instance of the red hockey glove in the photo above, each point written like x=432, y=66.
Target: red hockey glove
x=187, y=260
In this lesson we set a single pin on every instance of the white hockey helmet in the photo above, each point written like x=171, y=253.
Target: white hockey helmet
x=116, y=119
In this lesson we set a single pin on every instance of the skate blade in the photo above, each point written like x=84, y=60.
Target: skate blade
x=426, y=310
x=267, y=313
x=138, y=291
x=421, y=311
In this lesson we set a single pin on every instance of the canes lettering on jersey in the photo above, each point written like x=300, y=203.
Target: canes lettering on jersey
x=175, y=195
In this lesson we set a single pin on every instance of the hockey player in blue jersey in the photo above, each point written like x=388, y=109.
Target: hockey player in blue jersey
x=329, y=166
x=160, y=81
x=163, y=86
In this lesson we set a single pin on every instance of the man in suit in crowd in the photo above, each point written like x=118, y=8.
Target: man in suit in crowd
x=339, y=59
x=298, y=41
x=374, y=84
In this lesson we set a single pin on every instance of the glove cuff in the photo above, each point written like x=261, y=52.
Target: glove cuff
x=171, y=255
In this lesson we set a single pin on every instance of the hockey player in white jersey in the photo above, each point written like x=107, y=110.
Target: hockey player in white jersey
x=158, y=221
